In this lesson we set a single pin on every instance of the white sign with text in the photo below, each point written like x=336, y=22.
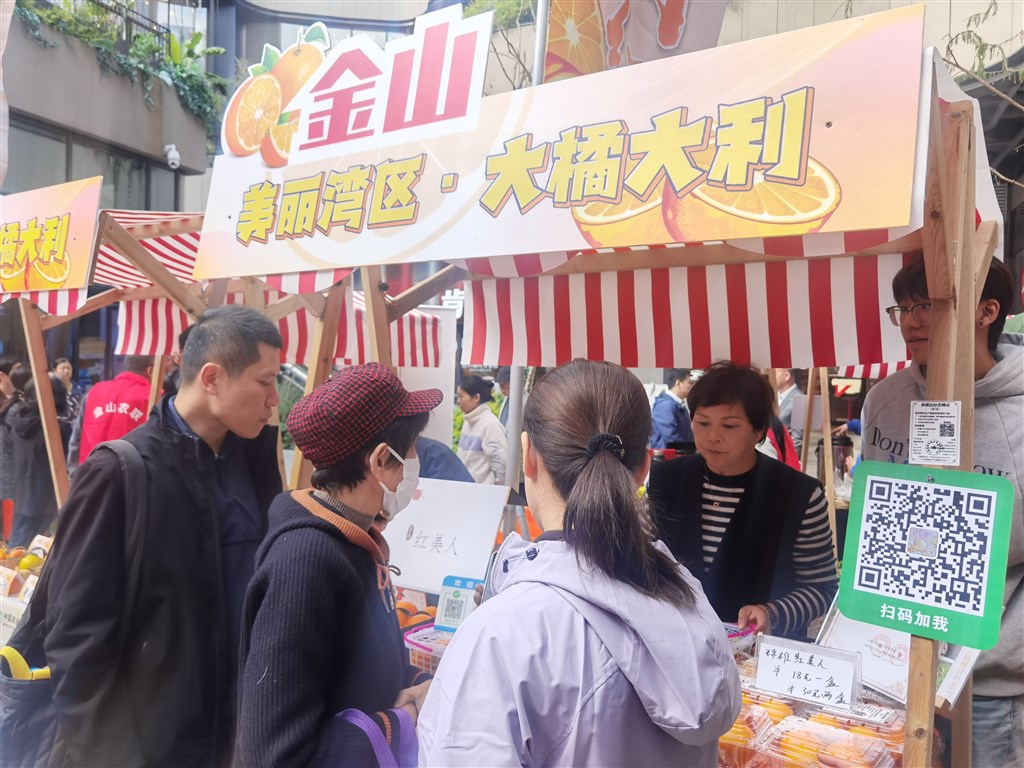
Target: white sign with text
x=935, y=433
x=807, y=672
x=449, y=529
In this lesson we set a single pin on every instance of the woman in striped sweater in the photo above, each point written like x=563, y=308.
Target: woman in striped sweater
x=754, y=531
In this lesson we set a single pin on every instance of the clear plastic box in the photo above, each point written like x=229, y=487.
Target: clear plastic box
x=800, y=743
x=778, y=708
x=878, y=721
x=426, y=646
x=736, y=748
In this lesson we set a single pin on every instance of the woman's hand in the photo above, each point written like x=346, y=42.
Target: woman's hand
x=411, y=699
x=756, y=616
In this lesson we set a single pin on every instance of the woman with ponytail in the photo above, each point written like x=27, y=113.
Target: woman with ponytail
x=597, y=648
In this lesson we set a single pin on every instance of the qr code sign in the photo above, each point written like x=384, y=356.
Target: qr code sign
x=926, y=543
x=947, y=429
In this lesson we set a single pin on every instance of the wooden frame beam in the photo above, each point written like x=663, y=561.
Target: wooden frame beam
x=156, y=381
x=984, y=247
x=30, y=323
x=436, y=284
x=93, y=303
x=112, y=232
x=216, y=293
x=322, y=354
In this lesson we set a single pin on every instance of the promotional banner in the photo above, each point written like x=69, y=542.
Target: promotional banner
x=356, y=156
x=47, y=236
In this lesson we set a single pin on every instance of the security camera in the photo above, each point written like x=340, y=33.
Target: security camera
x=173, y=156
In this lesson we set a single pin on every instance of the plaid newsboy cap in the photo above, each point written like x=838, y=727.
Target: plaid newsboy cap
x=345, y=412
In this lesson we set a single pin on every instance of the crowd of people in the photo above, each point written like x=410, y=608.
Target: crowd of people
x=266, y=619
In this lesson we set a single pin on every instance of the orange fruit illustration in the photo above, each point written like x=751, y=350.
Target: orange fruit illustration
x=277, y=143
x=12, y=276
x=576, y=42
x=631, y=221
x=295, y=67
x=47, y=275
x=253, y=110
x=767, y=209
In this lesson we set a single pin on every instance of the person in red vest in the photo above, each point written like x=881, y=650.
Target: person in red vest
x=114, y=408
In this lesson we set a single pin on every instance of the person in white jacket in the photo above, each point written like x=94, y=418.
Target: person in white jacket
x=597, y=647
x=482, y=445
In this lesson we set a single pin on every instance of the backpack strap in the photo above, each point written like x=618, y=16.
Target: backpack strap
x=136, y=524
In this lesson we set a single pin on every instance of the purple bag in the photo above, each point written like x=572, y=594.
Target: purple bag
x=407, y=748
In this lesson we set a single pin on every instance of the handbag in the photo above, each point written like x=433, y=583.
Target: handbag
x=399, y=753
x=29, y=732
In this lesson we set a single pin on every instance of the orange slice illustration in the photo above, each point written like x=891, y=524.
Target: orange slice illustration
x=575, y=39
x=631, y=221
x=47, y=275
x=253, y=110
x=277, y=143
x=767, y=209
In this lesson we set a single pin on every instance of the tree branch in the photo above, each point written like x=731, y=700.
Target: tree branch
x=1000, y=176
x=987, y=85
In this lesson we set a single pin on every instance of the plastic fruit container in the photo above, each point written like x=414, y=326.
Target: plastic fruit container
x=877, y=721
x=736, y=748
x=778, y=708
x=800, y=743
x=426, y=647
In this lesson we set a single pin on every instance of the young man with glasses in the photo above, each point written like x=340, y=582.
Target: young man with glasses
x=998, y=450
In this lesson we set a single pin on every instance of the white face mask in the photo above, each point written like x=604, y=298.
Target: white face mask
x=397, y=500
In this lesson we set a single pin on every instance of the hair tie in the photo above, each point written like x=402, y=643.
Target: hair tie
x=606, y=442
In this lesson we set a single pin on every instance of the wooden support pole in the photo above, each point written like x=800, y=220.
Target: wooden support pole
x=253, y=292
x=828, y=456
x=44, y=396
x=805, y=449
x=287, y=305
x=132, y=249
x=216, y=292
x=950, y=266
x=377, y=316
x=437, y=283
x=93, y=303
x=156, y=381
x=984, y=248
x=322, y=355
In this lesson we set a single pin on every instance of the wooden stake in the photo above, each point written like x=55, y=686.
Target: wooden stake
x=828, y=457
x=44, y=396
x=805, y=449
x=947, y=243
x=156, y=381
x=377, y=316
x=93, y=303
x=322, y=355
x=437, y=283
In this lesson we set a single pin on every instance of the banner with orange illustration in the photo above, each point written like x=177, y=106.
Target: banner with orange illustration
x=358, y=155
x=588, y=36
x=47, y=236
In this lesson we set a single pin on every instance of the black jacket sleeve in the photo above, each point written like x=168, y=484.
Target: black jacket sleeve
x=288, y=659
x=85, y=606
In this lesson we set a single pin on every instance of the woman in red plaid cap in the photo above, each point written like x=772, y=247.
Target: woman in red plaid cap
x=320, y=633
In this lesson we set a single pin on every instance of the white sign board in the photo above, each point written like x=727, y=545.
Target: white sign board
x=441, y=377
x=449, y=529
x=800, y=412
x=807, y=672
x=935, y=433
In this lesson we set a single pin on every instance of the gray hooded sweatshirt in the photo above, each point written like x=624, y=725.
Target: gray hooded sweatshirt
x=566, y=666
x=998, y=450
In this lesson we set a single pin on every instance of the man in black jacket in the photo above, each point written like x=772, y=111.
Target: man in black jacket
x=167, y=695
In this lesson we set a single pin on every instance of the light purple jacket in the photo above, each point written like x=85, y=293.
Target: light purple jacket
x=565, y=666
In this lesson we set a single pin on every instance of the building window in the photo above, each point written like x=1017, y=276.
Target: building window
x=36, y=159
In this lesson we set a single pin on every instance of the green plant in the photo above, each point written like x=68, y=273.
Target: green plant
x=201, y=93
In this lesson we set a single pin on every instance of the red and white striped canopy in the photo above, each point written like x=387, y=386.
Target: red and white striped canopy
x=790, y=314
x=52, y=302
x=177, y=252
x=151, y=327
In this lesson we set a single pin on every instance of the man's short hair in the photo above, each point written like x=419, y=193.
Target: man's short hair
x=138, y=363
x=672, y=375
x=183, y=337
x=911, y=282
x=229, y=336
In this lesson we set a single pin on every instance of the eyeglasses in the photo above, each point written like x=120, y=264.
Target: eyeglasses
x=920, y=312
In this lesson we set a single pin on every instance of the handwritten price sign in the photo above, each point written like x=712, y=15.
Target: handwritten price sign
x=808, y=672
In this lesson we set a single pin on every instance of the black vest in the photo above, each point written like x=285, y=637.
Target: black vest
x=754, y=563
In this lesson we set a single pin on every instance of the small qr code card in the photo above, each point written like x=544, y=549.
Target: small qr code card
x=929, y=552
x=935, y=432
x=456, y=602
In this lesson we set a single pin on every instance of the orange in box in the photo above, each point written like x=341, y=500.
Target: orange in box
x=736, y=748
x=800, y=743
